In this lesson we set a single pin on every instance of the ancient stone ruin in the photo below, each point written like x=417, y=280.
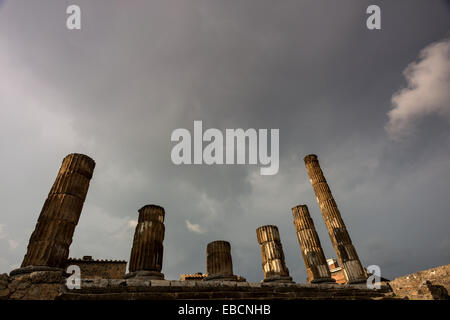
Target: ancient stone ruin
x=147, y=252
x=273, y=264
x=49, y=244
x=312, y=253
x=99, y=268
x=219, y=265
x=43, y=273
x=345, y=251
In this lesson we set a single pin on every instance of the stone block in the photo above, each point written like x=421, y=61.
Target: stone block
x=46, y=277
x=160, y=283
x=4, y=293
x=254, y=284
x=228, y=284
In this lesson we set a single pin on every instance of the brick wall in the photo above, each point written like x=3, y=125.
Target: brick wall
x=99, y=269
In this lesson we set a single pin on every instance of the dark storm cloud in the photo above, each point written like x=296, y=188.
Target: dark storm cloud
x=116, y=89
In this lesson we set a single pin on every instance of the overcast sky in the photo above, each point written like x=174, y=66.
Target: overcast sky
x=373, y=105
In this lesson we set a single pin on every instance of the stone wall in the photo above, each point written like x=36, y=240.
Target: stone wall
x=99, y=269
x=51, y=286
x=39, y=285
x=431, y=284
x=136, y=289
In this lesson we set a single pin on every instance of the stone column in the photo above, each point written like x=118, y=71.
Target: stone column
x=273, y=262
x=147, y=252
x=219, y=265
x=313, y=256
x=49, y=243
x=340, y=238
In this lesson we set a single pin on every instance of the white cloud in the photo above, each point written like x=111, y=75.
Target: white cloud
x=427, y=91
x=193, y=227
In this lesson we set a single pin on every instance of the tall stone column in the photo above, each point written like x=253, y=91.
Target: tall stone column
x=346, y=253
x=313, y=256
x=147, y=252
x=219, y=265
x=49, y=243
x=273, y=262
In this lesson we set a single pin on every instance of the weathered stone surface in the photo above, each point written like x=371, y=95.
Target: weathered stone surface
x=342, y=244
x=219, y=264
x=4, y=293
x=431, y=284
x=272, y=255
x=147, y=251
x=99, y=269
x=137, y=283
x=38, y=285
x=218, y=258
x=42, y=291
x=316, y=265
x=254, y=284
x=50, y=241
x=46, y=277
x=221, y=290
x=4, y=284
x=4, y=279
x=160, y=283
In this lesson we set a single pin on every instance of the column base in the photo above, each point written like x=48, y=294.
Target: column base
x=220, y=277
x=146, y=275
x=30, y=269
x=284, y=279
x=323, y=280
x=357, y=281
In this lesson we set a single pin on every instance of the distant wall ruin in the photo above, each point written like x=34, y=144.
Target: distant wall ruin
x=99, y=269
x=431, y=284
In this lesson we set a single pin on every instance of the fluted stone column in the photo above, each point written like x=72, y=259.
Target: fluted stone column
x=313, y=256
x=273, y=262
x=49, y=243
x=219, y=265
x=340, y=238
x=147, y=252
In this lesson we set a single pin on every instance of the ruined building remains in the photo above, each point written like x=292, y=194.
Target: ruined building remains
x=199, y=276
x=313, y=256
x=219, y=265
x=147, y=252
x=49, y=243
x=99, y=269
x=336, y=271
x=342, y=244
x=273, y=262
x=43, y=271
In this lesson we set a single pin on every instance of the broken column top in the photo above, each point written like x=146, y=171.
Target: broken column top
x=302, y=217
x=310, y=158
x=267, y=233
x=299, y=208
x=80, y=163
x=151, y=212
x=221, y=243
